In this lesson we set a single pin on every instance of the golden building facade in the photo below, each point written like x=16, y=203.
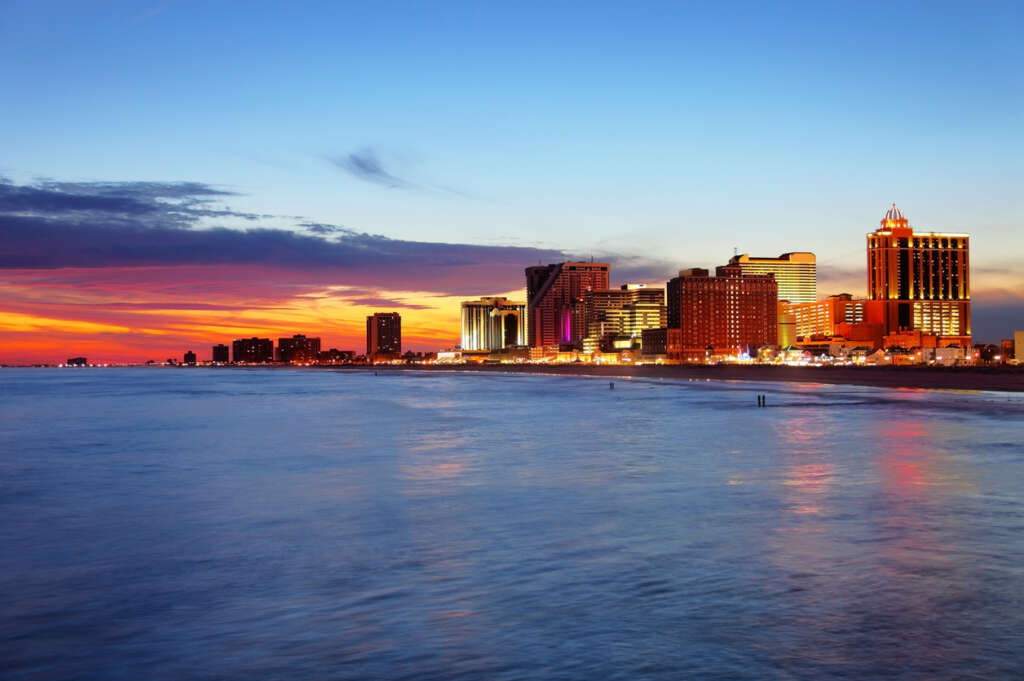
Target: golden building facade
x=922, y=277
x=795, y=273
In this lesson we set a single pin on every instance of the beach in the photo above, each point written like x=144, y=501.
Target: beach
x=1009, y=379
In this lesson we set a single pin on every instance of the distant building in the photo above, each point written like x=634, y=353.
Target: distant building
x=726, y=315
x=335, y=356
x=921, y=280
x=554, y=301
x=786, y=325
x=383, y=336
x=616, y=317
x=190, y=358
x=76, y=362
x=252, y=350
x=1006, y=351
x=820, y=318
x=655, y=341
x=298, y=350
x=1018, y=345
x=795, y=274
x=493, y=324
x=221, y=354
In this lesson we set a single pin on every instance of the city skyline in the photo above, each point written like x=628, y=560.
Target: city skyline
x=420, y=156
x=571, y=313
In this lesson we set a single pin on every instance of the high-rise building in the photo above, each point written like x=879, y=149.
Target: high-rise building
x=728, y=314
x=383, y=336
x=921, y=279
x=618, y=316
x=221, y=354
x=795, y=274
x=493, y=324
x=298, y=349
x=252, y=350
x=554, y=300
x=189, y=358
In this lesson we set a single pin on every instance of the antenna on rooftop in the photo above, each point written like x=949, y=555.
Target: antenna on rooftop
x=735, y=251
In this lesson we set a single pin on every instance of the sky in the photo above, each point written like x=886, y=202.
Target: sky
x=177, y=174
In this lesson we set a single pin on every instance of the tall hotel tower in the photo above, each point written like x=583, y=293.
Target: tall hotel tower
x=383, y=335
x=493, y=324
x=795, y=273
x=554, y=300
x=921, y=279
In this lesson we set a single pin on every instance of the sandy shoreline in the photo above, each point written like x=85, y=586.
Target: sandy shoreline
x=1009, y=379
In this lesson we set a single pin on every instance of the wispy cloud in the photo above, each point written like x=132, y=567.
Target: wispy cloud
x=387, y=303
x=365, y=164
x=322, y=228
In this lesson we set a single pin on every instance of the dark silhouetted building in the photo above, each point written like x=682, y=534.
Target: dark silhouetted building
x=190, y=358
x=655, y=341
x=726, y=315
x=298, y=350
x=252, y=350
x=554, y=301
x=221, y=354
x=383, y=336
x=76, y=362
x=920, y=280
x=335, y=356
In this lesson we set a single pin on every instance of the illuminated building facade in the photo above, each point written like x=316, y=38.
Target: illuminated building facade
x=383, y=335
x=252, y=350
x=554, y=301
x=728, y=314
x=617, y=317
x=796, y=274
x=921, y=278
x=221, y=354
x=822, y=317
x=298, y=350
x=493, y=324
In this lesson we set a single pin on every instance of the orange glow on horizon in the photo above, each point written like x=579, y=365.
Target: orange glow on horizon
x=118, y=315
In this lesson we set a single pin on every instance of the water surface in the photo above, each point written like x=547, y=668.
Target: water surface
x=317, y=524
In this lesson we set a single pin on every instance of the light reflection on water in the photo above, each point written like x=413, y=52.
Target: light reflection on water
x=321, y=524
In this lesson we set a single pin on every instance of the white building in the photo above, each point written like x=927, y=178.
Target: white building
x=493, y=324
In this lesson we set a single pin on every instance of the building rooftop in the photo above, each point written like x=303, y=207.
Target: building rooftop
x=894, y=213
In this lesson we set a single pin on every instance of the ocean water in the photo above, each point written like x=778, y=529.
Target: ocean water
x=318, y=524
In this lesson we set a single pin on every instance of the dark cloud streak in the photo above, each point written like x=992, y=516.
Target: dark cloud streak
x=366, y=165
x=52, y=225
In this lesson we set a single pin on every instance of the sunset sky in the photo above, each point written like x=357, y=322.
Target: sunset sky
x=177, y=174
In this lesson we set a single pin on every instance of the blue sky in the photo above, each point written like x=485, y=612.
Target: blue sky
x=668, y=131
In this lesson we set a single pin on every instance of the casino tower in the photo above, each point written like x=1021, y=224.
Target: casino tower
x=920, y=280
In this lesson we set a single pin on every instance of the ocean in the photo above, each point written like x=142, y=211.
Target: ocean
x=320, y=524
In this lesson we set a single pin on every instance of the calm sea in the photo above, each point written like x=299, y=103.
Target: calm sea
x=278, y=524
